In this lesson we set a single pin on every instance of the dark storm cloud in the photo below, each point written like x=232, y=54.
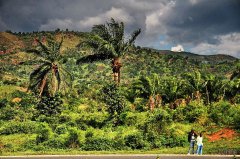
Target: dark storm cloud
x=195, y=23
x=203, y=21
x=29, y=15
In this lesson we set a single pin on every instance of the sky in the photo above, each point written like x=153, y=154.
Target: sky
x=198, y=26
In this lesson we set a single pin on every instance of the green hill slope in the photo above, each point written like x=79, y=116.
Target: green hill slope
x=161, y=97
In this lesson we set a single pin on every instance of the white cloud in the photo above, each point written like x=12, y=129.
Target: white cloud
x=229, y=44
x=116, y=13
x=178, y=48
x=87, y=23
x=58, y=23
x=155, y=20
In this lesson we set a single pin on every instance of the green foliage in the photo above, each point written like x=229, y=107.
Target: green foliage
x=44, y=132
x=98, y=144
x=14, y=127
x=111, y=95
x=135, y=141
x=159, y=120
x=95, y=116
x=61, y=129
x=96, y=120
x=55, y=142
x=50, y=105
x=194, y=111
x=134, y=119
x=224, y=113
x=72, y=140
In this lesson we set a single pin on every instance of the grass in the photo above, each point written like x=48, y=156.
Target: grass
x=13, y=142
x=7, y=90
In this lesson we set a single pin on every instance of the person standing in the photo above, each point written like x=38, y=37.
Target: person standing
x=200, y=144
x=191, y=139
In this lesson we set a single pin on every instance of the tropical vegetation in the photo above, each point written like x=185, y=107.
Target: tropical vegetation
x=58, y=95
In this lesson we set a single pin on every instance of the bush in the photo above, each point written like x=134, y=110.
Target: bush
x=158, y=120
x=135, y=141
x=13, y=127
x=112, y=96
x=96, y=120
x=98, y=144
x=72, y=140
x=61, y=129
x=50, y=105
x=155, y=139
x=44, y=133
x=134, y=118
x=194, y=111
x=223, y=113
x=55, y=142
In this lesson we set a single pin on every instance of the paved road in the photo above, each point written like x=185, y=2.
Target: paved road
x=152, y=156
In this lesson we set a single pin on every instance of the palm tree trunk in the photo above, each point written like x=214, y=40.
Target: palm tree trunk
x=116, y=66
x=119, y=76
x=207, y=93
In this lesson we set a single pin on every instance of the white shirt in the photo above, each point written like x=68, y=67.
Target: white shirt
x=199, y=140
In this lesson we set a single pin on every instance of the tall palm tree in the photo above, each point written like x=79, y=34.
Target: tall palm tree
x=108, y=42
x=50, y=75
x=194, y=83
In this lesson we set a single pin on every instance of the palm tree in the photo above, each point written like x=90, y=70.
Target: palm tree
x=50, y=75
x=108, y=42
x=236, y=72
x=194, y=83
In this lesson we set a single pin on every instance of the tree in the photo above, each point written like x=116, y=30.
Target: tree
x=50, y=75
x=148, y=87
x=194, y=83
x=108, y=42
x=236, y=72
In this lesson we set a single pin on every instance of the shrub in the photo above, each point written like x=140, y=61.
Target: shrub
x=44, y=133
x=158, y=120
x=112, y=96
x=55, y=142
x=134, y=118
x=72, y=140
x=50, y=105
x=19, y=127
x=223, y=113
x=135, y=141
x=61, y=129
x=98, y=144
x=155, y=139
x=194, y=111
x=96, y=120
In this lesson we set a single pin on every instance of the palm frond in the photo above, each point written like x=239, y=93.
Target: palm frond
x=37, y=76
x=94, y=57
x=102, y=31
x=39, y=69
x=235, y=75
x=37, y=52
x=43, y=47
x=67, y=77
x=59, y=45
x=134, y=36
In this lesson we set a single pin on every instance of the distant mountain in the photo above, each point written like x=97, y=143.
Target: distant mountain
x=218, y=58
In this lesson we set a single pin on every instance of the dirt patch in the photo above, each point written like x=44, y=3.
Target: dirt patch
x=225, y=133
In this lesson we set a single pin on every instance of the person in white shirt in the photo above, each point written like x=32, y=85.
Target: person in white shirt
x=199, y=144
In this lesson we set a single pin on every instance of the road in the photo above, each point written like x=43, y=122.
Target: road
x=150, y=156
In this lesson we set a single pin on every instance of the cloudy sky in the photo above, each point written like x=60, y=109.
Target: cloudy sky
x=199, y=26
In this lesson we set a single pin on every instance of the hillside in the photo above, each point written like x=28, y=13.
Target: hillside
x=161, y=97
